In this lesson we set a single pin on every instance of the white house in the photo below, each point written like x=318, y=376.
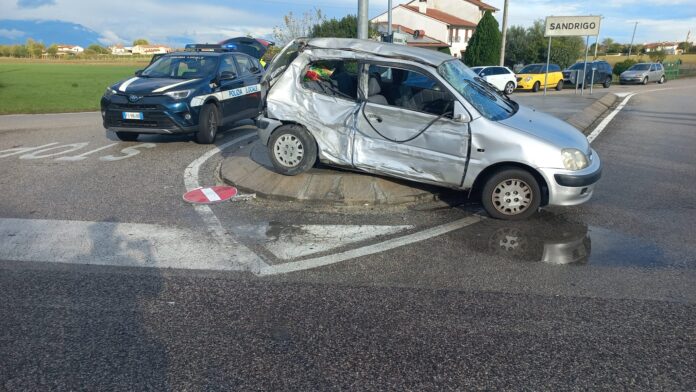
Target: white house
x=69, y=49
x=445, y=21
x=151, y=49
x=120, y=50
x=668, y=47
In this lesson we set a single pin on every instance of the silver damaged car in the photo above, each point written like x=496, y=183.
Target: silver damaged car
x=423, y=116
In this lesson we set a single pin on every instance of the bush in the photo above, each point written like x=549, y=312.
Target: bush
x=622, y=66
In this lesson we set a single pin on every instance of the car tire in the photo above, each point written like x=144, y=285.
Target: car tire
x=292, y=150
x=509, y=88
x=127, y=136
x=607, y=82
x=536, y=86
x=208, y=124
x=662, y=79
x=511, y=194
x=645, y=80
x=559, y=86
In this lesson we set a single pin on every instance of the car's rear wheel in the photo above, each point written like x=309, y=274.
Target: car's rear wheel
x=536, y=86
x=645, y=80
x=662, y=79
x=511, y=194
x=127, y=136
x=208, y=124
x=607, y=82
x=509, y=88
x=292, y=149
x=559, y=86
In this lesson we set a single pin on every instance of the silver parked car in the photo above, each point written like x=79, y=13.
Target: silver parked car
x=643, y=73
x=419, y=115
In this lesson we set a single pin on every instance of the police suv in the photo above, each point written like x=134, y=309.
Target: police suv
x=196, y=91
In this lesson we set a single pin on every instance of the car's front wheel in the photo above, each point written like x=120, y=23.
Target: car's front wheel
x=509, y=88
x=662, y=79
x=645, y=80
x=207, y=124
x=292, y=149
x=511, y=194
x=559, y=86
x=536, y=86
x=127, y=136
x=607, y=82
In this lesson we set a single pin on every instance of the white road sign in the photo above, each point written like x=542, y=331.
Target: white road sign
x=563, y=26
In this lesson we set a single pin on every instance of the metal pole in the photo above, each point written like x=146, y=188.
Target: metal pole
x=596, y=44
x=362, y=19
x=632, y=37
x=584, y=66
x=548, y=60
x=389, y=18
x=502, y=42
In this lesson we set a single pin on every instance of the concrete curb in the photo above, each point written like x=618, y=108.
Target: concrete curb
x=591, y=114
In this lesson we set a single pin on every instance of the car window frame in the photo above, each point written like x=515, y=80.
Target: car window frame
x=309, y=64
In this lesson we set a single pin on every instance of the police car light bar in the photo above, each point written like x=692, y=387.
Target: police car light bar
x=210, y=48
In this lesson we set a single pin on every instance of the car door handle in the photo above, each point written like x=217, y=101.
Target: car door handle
x=374, y=117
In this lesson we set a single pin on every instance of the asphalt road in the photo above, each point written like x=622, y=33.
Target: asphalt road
x=595, y=297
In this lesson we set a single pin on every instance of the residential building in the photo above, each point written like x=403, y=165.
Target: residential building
x=120, y=50
x=69, y=49
x=667, y=47
x=451, y=22
x=151, y=49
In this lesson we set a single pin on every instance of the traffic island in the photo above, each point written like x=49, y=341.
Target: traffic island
x=250, y=170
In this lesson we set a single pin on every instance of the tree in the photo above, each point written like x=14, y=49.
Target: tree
x=484, y=45
x=52, y=50
x=141, y=41
x=346, y=27
x=34, y=48
x=296, y=28
x=622, y=66
x=516, y=46
x=566, y=50
x=657, y=56
x=98, y=49
x=684, y=46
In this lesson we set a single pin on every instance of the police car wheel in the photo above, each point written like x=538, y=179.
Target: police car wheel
x=292, y=150
x=207, y=124
x=127, y=136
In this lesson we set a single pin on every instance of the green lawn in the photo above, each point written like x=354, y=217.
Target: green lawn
x=48, y=87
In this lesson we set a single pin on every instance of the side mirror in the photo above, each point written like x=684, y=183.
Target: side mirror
x=254, y=70
x=460, y=114
x=139, y=72
x=227, y=75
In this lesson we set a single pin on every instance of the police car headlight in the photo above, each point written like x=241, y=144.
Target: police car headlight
x=179, y=94
x=109, y=92
x=574, y=159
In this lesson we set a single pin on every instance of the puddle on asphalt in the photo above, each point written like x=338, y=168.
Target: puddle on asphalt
x=554, y=241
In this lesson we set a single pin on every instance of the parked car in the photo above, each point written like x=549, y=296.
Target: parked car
x=602, y=73
x=196, y=91
x=643, y=73
x=533, y=76
x=501, y=77
x=419, y=115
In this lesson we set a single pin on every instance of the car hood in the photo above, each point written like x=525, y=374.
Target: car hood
x=631, y=74
x=141, y=85
x=549, y=128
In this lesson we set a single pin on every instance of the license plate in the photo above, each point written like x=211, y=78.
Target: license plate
x=132, y=115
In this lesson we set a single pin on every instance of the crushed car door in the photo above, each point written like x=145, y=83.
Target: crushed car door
x=406, y=128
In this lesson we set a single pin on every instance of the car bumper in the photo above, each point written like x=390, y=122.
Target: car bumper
x=568, y=188
x=630, y=80
x=265, y=127
x=159, y=116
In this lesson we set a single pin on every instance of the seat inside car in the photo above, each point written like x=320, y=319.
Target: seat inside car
x=374, y=90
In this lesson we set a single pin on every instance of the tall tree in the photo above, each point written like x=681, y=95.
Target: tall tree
x=294, y=27
x=516, y=46
x=484, y=45
x=346, y=27
x=566, y=50
x=141, y=41
x=52, y=50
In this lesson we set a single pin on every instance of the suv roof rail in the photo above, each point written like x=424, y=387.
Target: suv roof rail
x=210, y=48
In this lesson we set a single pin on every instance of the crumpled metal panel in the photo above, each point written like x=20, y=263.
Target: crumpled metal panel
x=382, y=49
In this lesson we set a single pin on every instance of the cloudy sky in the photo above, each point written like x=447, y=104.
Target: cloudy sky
x=210, y=20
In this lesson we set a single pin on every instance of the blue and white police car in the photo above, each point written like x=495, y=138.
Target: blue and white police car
x=197, y=91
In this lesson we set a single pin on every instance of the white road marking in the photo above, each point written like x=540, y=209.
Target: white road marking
x=84, y=155
x=252, y=261
x=115, y=244
x=21, y=150
x=128, y=151
x=603, y=124
x=63, y=149
x=292, y=242
x=370, y=249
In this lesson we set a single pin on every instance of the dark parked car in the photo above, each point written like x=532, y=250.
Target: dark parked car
x=602, y=73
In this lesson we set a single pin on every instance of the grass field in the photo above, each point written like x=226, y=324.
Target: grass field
x=53, y=87
x=685, y=58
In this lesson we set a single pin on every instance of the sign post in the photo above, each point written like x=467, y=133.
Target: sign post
x=568, y=26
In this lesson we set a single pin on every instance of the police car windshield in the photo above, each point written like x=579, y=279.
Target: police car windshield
x=182, y=67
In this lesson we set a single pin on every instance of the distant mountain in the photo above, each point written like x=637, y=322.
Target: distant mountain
x=46, y=31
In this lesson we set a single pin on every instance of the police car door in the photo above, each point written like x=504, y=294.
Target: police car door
x=250, y=72
x=230, y=84
x=406, y=128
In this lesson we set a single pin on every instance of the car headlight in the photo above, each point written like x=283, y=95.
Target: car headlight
x=574, y=159
x=109, y=92
x=528, y=78
x=179, y=94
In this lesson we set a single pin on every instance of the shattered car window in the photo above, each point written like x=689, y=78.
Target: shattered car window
x=336, y=78
x=488, y=101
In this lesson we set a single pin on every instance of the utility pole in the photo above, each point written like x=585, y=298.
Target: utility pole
x=362, y=19
x=502, y=43
x=632, y=37
x=389, y=18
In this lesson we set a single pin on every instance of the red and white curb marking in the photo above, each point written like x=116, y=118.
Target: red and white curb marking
x=209, y=195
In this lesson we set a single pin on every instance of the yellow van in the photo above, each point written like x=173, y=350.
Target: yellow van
x=532, y=76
